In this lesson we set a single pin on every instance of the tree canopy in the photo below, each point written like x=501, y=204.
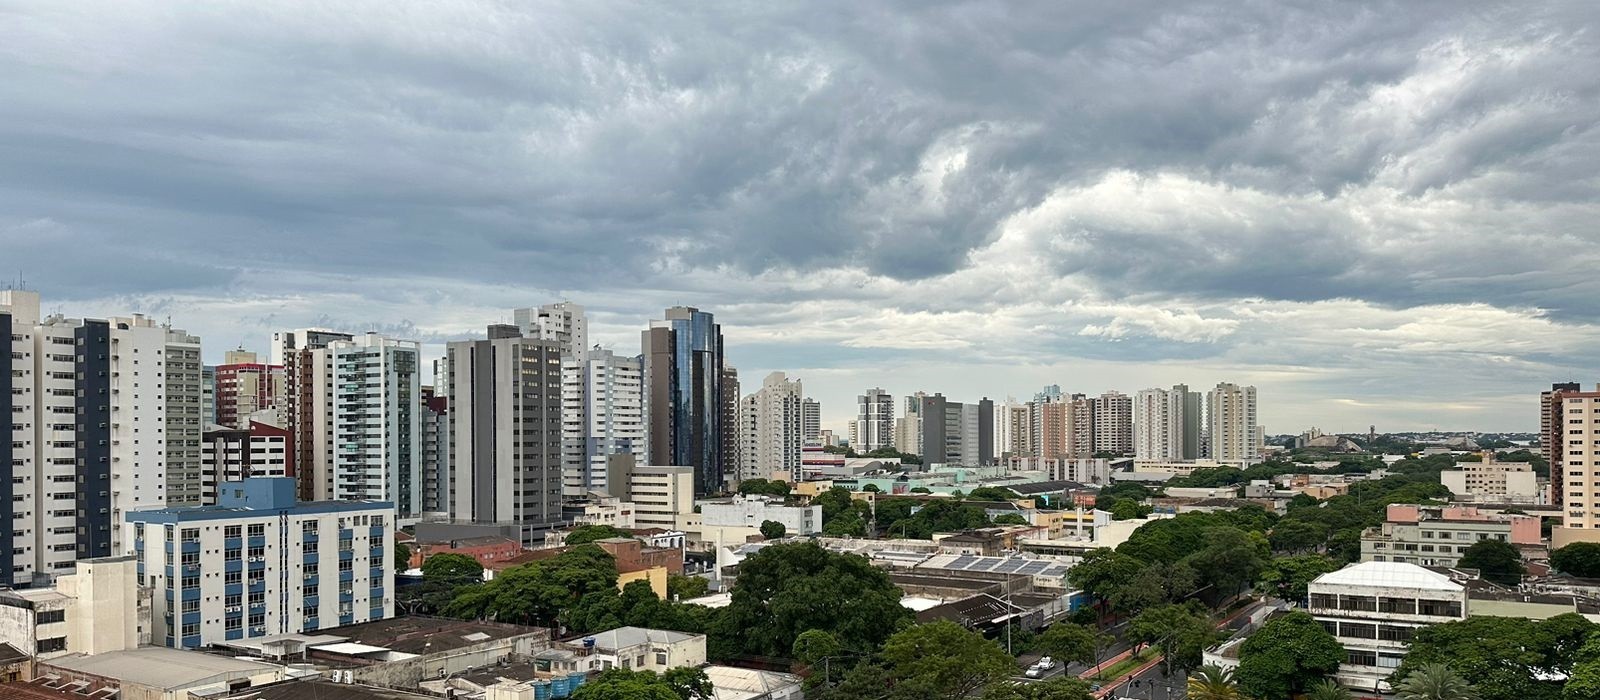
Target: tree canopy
x=539, y=592
x=1581, y=559
x=622, y=684
x=1180, y=632
x=584, y=534
x=773, y=530
x=789, y=588
x=764, y=487
x=1496, y=560
x=1505, y=658
x=1286, y=656
x=452, y=568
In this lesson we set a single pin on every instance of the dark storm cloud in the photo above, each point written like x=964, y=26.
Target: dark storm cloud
x=905, y=162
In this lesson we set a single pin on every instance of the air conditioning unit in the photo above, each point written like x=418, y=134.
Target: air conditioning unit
x=233, y=608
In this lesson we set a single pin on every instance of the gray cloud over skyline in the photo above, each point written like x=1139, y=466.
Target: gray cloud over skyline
x=1377, y=212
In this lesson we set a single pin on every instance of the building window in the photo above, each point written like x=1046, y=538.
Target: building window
x=1405, y=606
x=52, y=644
x=191, y=630
x=191, y=534
x=49, y=616
x=1440, y=608
x=1358, y=630
x=258, y=530
x=1356, y=657
x=1394, y=633
x=233, y=531
x=1358, y=602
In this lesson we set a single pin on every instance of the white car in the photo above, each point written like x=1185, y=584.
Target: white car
x=1046, y=663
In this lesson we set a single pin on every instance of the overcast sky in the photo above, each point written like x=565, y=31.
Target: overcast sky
x=1376, y=213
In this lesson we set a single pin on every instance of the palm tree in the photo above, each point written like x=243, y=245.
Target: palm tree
x=1327, y=689
x=1434, y=682
x=1212, y=682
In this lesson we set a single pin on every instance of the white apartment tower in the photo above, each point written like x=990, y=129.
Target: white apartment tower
x=874, y=425
x=771, y=429
x=376, y=450
x=1234, y=435
x=1113, y=423
x=1166, y=424
x=602, y=413
x=908, y=427
x=563, y=322
x=103, y=418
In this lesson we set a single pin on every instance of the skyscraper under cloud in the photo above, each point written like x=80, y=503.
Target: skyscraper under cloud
x=684, y=404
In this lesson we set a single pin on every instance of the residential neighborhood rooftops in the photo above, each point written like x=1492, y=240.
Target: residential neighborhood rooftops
x=624, y=637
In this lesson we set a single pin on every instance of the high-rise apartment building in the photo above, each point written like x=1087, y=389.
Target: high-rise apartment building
x=563, y=322
x=376, y=451
x=811, y=422
x=1113, y=423
x=304, y=403
x=435, y=412
x=1573, y=439
x=104, y=418
x=732, y=452
x=505, y=431
x=771, y=428
x=1551, y=430
x=1081, y=422
x=1166, y=424
x=685, y=403
x=245, y=385
x=957, y=433
x=602, y=414
x=235, y=454
x=1011, y=429
x=874, y=424
x=260, y=564
x=1049, y=426
x=1235, y=436
x=908, y=427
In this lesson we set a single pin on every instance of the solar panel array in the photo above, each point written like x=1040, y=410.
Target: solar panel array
x=1000, y=565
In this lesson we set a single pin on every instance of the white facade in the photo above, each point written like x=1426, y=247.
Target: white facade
x=908, y=427
x=752, y=511
x=771, y=429
x=260, y=564
x=602, y=413
x=661, y=496
x=1113, y=423
x=563, y=322
x=640, y=649
x=1374, y=608
x=874, y=425
x=1495, y=482
x=811, y=422
x=1233, y=432
x=1166, y=424
x=376, y=451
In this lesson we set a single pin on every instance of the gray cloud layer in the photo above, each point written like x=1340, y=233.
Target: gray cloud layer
x=1357, y=205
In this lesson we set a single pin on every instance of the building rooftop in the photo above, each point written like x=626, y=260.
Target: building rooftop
x=327, y=690
x=40, y=689
x=1020, y=566
x=1042, y=487
x=732, y=683
x=623, y=637
x=1389, y=574
x=161, y=667
x=427, y=635
x=11, y=654
x=981, y=608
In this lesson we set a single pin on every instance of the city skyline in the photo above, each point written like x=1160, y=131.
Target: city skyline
x=1377, y=216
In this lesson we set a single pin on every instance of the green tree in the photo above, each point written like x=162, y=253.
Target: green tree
x=1505, y=658
x=1213, y=683
x=788, y=588
x=1434, y=682
x=764, y=487
x=1181, y=633
x=402, y=556
x=1231, y=560
x=1058, y=688
x=452, y=568
x=538, y=593
x=1010, y=519
x=871, y=488
x=1103, y=572
x=1328, y=689
x=584, y=534
x=1496, y=560
x=1581, y=559
x=623, y=684
x=1584, y=682
x=685, y=587
x=1290, y=577
x=1068, y=642
x=812, y=646
x=1296, y=536
x=1286, y=655
x=991, y=493
x=1128, y=509
x=943, y=660
x=772, y=529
